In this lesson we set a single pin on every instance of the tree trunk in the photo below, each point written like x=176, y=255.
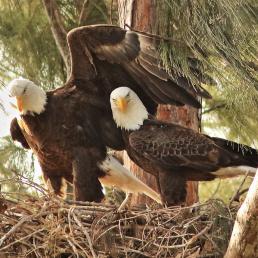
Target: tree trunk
x=188, y=117
x=141, y=16
x=244, y=238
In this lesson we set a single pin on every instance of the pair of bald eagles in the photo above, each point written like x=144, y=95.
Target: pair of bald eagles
x=70, y=128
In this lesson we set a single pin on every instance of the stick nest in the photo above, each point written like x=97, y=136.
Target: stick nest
x=46, y=226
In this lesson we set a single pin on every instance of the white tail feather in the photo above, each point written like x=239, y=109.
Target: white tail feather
x=122, y=178
x=234, y=171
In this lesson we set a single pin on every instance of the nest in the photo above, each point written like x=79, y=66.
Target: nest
x=47, y=226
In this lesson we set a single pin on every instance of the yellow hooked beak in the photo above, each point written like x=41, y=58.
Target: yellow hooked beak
x=19, y=103
x=122, y=104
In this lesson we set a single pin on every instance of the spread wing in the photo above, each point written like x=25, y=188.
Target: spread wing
x=118, y=57
x=173, y=146
x=17, y=135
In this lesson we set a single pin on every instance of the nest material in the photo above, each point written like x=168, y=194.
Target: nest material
x=50, y=227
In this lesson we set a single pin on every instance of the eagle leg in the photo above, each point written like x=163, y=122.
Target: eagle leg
x=56, y=185
x=127, y=199
x=85, y=177
x=172, y=188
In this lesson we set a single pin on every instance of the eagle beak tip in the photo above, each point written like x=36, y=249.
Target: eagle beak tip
x=19, y=103
x=122, y=104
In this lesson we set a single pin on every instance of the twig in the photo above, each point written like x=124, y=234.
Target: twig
x=14, y=228
x=90, y=204
x=215, y=107
x=73, y=246
x=238, y=190
x=82, y=12
x=20, y=222
x=81, y=228
x=86, y=234
x=19, y=240
x=216, y=190
x=151, y=35
x=195, y=237
x=111, y=12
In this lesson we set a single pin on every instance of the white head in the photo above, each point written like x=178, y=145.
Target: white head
x=30, y=98
x=128, y=110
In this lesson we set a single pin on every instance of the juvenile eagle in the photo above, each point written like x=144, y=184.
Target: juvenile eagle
x=70, y=127
x=173, y=153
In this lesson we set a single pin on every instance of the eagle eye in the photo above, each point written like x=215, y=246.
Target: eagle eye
x=114, y=100
x=24, y=90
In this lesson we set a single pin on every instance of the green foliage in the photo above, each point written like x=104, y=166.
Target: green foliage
x=114, y=196
x=236, y=118
x=27, y=45
x=78, y=13
x=14, y=157
x=222, y=189
x=223, y=36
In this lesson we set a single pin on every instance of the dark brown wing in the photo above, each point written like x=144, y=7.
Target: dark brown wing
x=173, y=146
x=246, y=155
x=93, y=48
x=17, y=135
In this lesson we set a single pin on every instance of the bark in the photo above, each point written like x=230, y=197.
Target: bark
x=125, y=10
x=244, y=238
x=58, y=30
x=188, y=117
x=141, y=16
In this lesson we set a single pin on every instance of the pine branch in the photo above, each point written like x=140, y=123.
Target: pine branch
x=213, y=108
x=58, y=30
x=83, y=12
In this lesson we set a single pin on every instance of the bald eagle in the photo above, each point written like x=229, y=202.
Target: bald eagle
x=70, y=128
x=114, y=174
x=173, y=153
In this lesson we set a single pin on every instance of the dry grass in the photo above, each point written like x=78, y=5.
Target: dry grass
x=46, y=226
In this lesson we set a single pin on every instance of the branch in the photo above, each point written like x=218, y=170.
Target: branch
x=152, y=35
x=58, y=30
x=244, y=238
x=82, y=12
x=215, y=107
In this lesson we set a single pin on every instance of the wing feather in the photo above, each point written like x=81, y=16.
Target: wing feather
x=138, y=56
x=172, y=146
x=164, y=90
x=17, y=135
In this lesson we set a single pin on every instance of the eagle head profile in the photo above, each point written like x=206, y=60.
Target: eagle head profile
x=29, y=97
x=128, y=110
